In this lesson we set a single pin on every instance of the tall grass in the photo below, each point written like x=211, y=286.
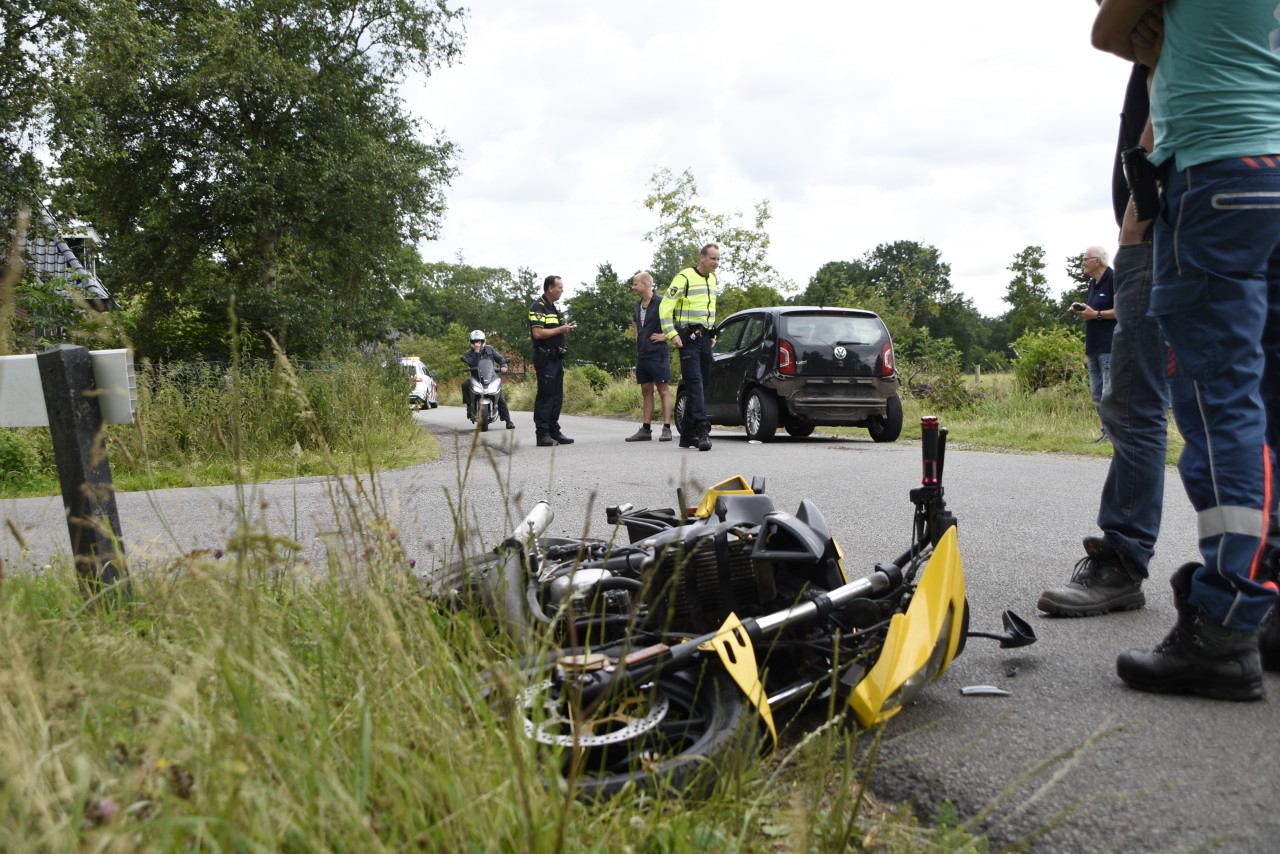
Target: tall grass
x=242, y=701
x=1002, y=417
x=236, y=707
x=216, y=423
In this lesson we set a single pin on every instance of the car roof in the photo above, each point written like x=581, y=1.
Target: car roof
x=810, y=309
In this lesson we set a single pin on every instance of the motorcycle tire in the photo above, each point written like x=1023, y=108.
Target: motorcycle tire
x=676, y=735
x=485, y=418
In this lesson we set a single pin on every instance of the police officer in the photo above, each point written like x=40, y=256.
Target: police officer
x=548, y=362
x=688, y=313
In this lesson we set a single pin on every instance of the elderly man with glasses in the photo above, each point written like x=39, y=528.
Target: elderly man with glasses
x=1098, y=312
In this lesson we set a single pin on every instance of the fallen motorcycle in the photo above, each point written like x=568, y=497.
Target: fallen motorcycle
x=659, y=661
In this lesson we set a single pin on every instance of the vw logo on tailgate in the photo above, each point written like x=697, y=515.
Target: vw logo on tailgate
x=839, y=352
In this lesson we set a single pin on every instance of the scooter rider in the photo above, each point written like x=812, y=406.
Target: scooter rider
x=480, y=350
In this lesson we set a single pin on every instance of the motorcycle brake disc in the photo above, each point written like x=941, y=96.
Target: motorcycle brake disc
x=549, y=720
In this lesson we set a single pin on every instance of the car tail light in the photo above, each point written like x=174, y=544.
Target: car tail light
x=886, y=360
x=786, y=357
x=419, y=379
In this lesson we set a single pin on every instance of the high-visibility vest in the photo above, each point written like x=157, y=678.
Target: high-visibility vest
x=690, y=301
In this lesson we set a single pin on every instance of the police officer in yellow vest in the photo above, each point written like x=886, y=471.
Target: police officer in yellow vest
x=688, y=313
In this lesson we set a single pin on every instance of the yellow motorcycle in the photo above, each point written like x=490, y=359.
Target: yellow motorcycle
x=659, y=661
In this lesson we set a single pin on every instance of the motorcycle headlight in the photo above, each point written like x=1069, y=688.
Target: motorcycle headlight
x=492, y=388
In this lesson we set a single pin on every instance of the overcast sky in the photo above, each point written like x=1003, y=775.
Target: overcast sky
x=979, y=128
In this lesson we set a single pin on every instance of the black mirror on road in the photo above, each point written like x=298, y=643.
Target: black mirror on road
x=1017, y=632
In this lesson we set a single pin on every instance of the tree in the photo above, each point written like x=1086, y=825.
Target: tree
x=1028, y=294
x=1075, y=272
x=443, y=293
x=36, y=41
x=258, y=150
x=909, y=286
x=603, y=312
x=685, y=226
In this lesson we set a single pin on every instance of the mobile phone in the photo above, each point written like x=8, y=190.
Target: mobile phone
x=1078, y=307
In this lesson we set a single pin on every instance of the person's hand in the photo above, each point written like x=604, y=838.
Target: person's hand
x=657, y=336
x=1148, y=37
x=679, y=344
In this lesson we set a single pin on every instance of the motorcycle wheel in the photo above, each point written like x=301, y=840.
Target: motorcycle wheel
x=483, y=415
x=677, y=734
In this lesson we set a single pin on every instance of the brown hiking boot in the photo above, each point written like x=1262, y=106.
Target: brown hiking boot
x=1099, y=584
x=644, y=434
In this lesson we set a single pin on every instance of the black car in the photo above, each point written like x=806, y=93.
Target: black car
x=801, y=367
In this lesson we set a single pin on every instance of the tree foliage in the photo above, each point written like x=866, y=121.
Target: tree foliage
x=36, y=43
x=909, y=286
x=1080, y=290
x=257, y=150
x=1032, y=307
x=603, y=312
x=685, y=226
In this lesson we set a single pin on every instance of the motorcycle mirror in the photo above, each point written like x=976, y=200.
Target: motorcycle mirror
x=1017, y=632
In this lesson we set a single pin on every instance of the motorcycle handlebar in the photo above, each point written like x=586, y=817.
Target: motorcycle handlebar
x=534, y=524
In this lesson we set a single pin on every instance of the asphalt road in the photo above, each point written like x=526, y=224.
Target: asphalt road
x=1071, y=760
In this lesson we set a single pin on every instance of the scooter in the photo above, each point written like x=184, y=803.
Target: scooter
x=653, y=663
x=486, y=385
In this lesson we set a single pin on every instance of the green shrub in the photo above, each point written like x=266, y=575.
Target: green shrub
x=19, y=460
x=595, y=377
x=932, y=374
x=1049, y=357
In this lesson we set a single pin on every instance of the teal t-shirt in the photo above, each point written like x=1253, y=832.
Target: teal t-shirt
x=1217, y=88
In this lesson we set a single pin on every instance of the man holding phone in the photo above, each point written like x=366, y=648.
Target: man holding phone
x=1098, y=312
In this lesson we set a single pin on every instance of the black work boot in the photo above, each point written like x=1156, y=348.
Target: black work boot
x=1269, y=639
x=1198, y=656
x=1099, y=584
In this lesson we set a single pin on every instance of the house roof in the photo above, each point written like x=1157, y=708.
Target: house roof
x=55, y=257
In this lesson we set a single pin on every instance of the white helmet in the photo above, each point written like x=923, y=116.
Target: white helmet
x=477, y=335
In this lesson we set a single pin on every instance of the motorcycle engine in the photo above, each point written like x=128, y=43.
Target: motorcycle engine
x=697, y=585
x=587, y=591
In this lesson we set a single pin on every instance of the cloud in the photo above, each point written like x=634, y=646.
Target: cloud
x=979, y=129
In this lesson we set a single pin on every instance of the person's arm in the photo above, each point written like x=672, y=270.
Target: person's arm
x=1114, y=27
x=666, y=313
x=541, y=332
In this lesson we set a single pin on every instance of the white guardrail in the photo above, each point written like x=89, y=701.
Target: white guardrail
x=22, y=396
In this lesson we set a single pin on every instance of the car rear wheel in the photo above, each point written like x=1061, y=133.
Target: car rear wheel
x=888, y=428
x=761, y=415
x=800, y=430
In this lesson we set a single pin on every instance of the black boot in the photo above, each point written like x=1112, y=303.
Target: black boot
x=1198, y=656
x=1269, y=639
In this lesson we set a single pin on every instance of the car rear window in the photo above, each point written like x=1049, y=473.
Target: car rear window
x=832, y=329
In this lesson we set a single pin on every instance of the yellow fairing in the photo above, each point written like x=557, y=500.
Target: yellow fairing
x=937, y=606
x=739, y=658
x=736, y=485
